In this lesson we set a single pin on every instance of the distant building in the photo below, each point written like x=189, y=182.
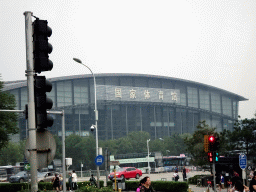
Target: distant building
x=133, y=102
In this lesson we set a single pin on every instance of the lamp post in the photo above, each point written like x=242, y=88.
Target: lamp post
x=148, y=156
x=167, y=151
x=96, y=117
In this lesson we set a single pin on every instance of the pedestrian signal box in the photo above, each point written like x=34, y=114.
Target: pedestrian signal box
x=210, y=157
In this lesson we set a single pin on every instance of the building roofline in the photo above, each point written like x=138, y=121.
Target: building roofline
x=9, y=85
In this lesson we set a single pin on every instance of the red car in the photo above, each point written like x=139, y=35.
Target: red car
x=127, y=173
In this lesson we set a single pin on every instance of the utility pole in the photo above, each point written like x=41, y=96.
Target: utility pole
x=31, y=101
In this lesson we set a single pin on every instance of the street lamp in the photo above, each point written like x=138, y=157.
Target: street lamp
x=96, y=117
x=148, y=156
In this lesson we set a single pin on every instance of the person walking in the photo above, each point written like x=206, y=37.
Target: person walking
x=146, y=185
x=252, y=186
x=92, y=180
x=70, y=182
x=176, y=176
x=222, y=181
x=61, y=182
x=56, y=183
x=140, y=185
x=184, y=173
x=74, y=180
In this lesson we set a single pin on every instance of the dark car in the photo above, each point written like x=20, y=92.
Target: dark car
x=126, y=173
x=19, y=177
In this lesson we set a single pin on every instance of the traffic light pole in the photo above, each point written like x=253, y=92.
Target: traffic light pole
x=31, y=103
x=213, y=171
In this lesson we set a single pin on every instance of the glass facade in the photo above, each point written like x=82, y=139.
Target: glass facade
x=159, y=106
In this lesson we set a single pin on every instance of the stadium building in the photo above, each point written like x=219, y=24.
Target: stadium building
x=133, y=102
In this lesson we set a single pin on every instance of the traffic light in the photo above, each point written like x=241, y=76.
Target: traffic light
x=214, y=143
x=210, y=157
x=42, y=103
x=41, y=46
x=212, y=140
x=41, y=51
x=216, y=156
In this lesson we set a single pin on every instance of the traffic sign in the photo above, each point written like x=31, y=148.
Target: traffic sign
x=27, y=167
x=242, y=161
x=114, y=163
x=46, y=148
x=99, y=160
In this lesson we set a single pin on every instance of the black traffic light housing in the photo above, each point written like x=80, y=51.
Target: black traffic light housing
x=41, y=51
x=42, y=103
x=213, y=143
x=41, y=46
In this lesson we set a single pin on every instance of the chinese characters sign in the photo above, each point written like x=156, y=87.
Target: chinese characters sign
x=141, y=94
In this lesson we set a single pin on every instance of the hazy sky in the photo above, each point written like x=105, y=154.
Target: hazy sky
x=207, y=41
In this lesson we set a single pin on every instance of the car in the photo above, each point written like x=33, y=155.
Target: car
x=126, y=173
x=45, y=176
x=19, y=177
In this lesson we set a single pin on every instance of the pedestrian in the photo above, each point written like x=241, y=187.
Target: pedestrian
x=176, y=168
x=140, y=185
x=70, y=182
x=252, y=186
x=74, y=180
x=92, y=180
x=184, y=173
x=61, y=182
x=239, y=187
x=176, y=176
x=222, y=181
x=146, y=185
x=56, y=183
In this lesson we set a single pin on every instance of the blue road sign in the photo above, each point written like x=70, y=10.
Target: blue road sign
x=99, y=160
x=242, y=161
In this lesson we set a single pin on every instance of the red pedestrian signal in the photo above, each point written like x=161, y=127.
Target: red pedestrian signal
x=210, y=157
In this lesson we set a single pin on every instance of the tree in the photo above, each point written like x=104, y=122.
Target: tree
x=8, y=120
x=243, y=137
x=12, y=153
x=195, y=144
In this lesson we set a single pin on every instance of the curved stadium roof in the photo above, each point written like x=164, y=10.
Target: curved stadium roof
x=10, y=85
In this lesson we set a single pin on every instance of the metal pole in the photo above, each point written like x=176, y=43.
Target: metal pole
x=31, y=103
x=96, y=117
x=81, y=169
x=9, y=110
x=148, y=156
x=63, y=146
x=213, y=167
x=96, y=125
x=63, y=151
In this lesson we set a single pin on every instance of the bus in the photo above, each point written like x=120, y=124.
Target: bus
x=9, y=170
x=140, y=161
x=170, y=162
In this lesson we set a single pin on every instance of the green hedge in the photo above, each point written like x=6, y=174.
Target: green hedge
x=157, y=185
x=84, y=186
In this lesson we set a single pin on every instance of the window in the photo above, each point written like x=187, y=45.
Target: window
x=204, y=99
x=235, y=107
x=183, y=94
x=192, y=97
x=215, y=98
x=80, y=91
x=64, y=93
x=226, y=106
